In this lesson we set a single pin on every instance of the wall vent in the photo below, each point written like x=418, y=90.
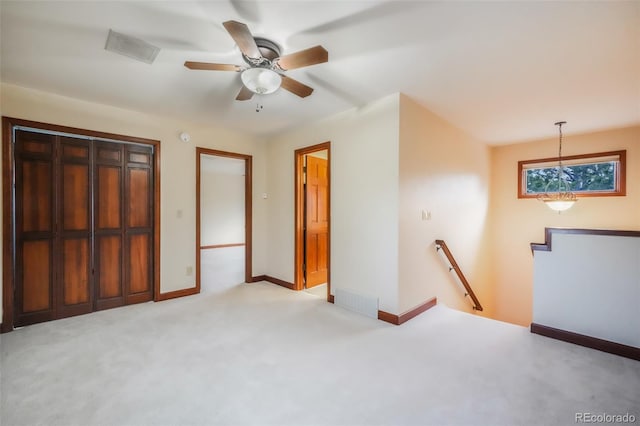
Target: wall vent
x=131, y=47
x=364, y=305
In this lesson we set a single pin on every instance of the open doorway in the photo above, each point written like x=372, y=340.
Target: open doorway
x=223, y=219
x=312, y=219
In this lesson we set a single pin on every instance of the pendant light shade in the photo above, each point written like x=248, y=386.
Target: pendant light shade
x=559, y=205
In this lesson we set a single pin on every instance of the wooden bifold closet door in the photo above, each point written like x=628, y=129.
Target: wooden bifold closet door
x=84, y=225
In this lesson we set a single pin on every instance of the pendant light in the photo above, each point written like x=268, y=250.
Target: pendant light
x=562, y=199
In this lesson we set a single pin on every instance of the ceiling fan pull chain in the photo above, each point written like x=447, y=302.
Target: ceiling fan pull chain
x=259, y=102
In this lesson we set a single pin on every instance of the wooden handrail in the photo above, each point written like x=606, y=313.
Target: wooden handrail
x=440, y=244
x=548, y=234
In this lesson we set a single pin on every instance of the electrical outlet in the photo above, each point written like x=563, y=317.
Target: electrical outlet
x=189, y=270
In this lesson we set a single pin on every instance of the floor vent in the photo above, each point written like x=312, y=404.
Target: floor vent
x=364, y=305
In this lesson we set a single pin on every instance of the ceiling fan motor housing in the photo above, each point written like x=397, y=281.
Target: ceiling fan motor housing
x=267, y=48
x=261, y=78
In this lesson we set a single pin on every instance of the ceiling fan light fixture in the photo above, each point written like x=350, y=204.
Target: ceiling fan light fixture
x=262, y=81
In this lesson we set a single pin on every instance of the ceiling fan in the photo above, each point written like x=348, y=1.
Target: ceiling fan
x=266, y=66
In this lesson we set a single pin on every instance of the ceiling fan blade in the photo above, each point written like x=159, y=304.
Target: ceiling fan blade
x=212, y=67
x=295, y=87
x=240, y=33
x=303, y=58
x=245, y=94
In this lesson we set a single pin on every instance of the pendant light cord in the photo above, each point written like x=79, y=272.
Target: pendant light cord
x=560, y=168
x=560, y=145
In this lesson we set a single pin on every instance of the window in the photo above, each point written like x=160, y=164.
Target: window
x=588, y=175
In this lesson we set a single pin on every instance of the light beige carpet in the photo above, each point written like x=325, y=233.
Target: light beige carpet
x=319, y=291
x=221, y=268
x=260, y=354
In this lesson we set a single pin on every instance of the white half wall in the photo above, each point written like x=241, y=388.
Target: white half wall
x=364, y=199
x=589, y=284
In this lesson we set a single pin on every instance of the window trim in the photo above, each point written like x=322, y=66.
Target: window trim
x=621, y=177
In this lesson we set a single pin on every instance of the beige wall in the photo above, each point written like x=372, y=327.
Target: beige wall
x=177, y=167
x=517, y=222
x=446, y=172
x=364, y=199
x=390, y=160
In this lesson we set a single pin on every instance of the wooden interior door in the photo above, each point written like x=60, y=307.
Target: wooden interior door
x=123, y=224
x=138, y=224
x=74, y=280
x=83, y=222
x=109, y=224
x=35, y=222
x=53, y=227
x=316, y=221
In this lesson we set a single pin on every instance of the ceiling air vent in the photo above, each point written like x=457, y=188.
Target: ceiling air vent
x=132, y=47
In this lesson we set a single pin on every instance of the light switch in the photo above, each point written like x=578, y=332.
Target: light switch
x=426, y=215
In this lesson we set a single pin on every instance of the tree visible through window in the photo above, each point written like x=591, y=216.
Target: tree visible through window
x=588, y=175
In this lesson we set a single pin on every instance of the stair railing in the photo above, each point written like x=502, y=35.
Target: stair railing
x=440, y=244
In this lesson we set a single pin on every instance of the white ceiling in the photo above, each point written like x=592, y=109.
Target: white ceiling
x=503, y=71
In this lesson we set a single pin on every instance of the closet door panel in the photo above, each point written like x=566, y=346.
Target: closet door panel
x=138, y=207
x=139, y=224
x=84, y=225
x=76, y=277
x=35, y=194
x=37, y=276
x=109, y=229
x=109, y=265
x=109, y=188
x=75, y=195
x=139, y=262
x=74, y=281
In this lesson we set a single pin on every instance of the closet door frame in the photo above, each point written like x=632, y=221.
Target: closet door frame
x=8, y=203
